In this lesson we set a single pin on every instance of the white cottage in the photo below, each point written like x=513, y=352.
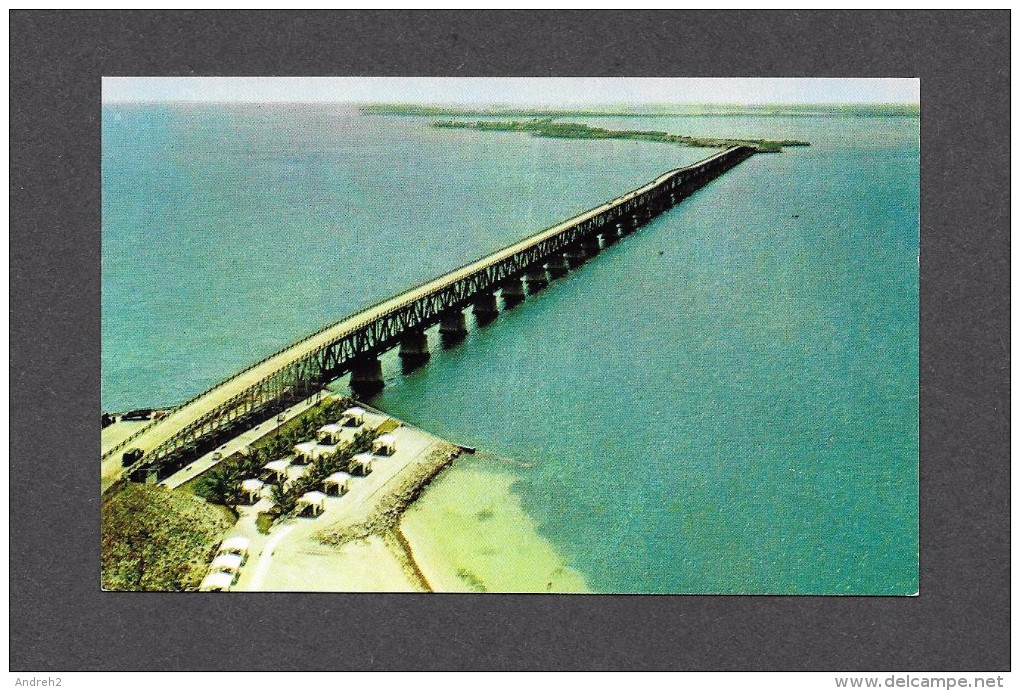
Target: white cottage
x=309, y=451
x=362, y=462
x=353, y=417
x=278, y=468
x=312, y=501
x=252, y=489
x=385, y=445
x=331, y=433
x=340, y=480
x=229, y=563
x=218, y=581
x=238, y=544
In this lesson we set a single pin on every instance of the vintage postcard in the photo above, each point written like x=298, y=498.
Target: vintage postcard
x=510, y=335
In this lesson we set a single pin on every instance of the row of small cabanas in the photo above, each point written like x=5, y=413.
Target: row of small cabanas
x=307, y=452
x=226, y=566
x=337, y=483
x=384, y=445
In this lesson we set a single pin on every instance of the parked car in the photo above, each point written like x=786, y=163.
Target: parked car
x=132, y=455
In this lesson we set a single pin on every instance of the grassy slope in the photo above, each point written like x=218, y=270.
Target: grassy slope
x=157, y=539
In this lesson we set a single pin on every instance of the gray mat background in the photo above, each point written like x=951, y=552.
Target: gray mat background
x=60, y=620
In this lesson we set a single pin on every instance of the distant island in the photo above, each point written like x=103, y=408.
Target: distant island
x=547, y=127
x=548, y=123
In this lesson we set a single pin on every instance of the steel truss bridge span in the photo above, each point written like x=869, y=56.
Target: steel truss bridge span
x=300, y=369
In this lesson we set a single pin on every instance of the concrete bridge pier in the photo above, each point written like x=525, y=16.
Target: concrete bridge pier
x=366, y=376
x=558, y=267
x=609, y=237
x=535, y=278
x=414, y=350
x=485, y=308
x=513, y=292
x=591, y=246
x=453, y=327
x=574, y=257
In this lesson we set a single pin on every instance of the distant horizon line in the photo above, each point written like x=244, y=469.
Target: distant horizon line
x=523, y=107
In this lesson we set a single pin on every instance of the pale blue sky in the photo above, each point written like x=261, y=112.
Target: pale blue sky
x=525, y=91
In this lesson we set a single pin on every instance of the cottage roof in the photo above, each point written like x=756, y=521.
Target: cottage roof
x=226, y=562
x=252, y=485
x=219, y=580
x=313, y=450
x=278, y=466
x=237, y=542
x=312, y=498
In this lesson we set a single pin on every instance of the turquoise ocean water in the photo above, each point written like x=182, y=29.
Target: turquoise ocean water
x=725, y=402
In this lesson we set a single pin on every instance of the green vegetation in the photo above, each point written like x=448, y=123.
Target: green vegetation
x=263, y=522
x=222, y=484
x=473, y=582
x=547, y=127
x=154, y=538
x=286, y=495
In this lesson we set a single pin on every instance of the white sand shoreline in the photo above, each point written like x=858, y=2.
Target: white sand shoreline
x=469, y=532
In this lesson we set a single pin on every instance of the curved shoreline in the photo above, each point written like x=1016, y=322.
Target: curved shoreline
x=469, y=532
x=385, y=516
x=452, y=528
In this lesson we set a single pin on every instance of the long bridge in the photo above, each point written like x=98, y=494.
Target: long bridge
x=354, y=344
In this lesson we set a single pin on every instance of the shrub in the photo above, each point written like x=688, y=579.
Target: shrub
x=264, y=521
x=221, y=485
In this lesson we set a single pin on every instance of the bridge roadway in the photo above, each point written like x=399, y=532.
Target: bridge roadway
x=161, y=436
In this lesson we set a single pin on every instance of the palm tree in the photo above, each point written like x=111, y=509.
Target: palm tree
x=220, y=486
x=284, y=499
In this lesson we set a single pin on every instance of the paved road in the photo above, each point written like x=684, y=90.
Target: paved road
x=204, y=463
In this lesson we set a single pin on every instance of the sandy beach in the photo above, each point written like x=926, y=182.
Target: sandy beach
x=367, y=565
x=468, y=532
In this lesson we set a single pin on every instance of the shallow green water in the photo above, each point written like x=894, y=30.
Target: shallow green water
x=724, y=402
